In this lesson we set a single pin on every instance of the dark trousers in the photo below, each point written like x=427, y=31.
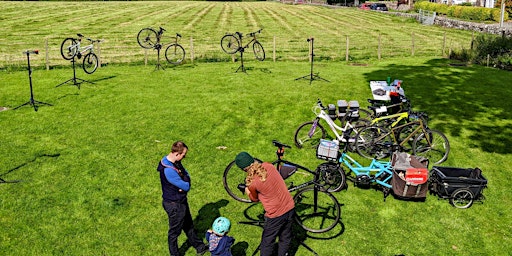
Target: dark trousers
x=277, y=227
x=180, y=219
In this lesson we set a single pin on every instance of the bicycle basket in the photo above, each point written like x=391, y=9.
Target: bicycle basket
x=328, y=150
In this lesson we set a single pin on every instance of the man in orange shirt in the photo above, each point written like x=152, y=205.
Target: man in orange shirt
x=265, y=184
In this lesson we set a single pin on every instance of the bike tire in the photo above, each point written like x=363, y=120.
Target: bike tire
x=304, y=140
x=462, y=198
x=90, y=63
x=370, y=143
x=68, y=48
x=230, y=44
x=403, y=133
x=258, y=50
x=332, y=177
x=175, y=54
x=231, y=178
x=316, y=210
x=147, y=38
x=434, y=146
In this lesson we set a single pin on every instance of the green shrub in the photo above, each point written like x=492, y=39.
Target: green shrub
x=463, y=11
x=492, y=50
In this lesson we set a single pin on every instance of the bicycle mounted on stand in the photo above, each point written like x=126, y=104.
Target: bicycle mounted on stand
x=149, y=38
x=231, y=43
x=317, y=210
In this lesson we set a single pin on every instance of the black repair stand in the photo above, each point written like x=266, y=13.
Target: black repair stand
x=311, y=76
x=75, y=81
x=260, y=224
x=242, y=67
x=31, y=102
x=158, y=47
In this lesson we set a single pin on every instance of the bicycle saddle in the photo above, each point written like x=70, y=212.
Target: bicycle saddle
x=279, y=144
x=80, y=35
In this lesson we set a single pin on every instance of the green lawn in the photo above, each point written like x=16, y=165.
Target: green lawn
x=87, y=163
x=202, y=24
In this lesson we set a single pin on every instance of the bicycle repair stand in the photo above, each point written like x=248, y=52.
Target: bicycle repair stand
x=311, y=76
x=158, y=47
x=260, y=223
x=241, y=50
x=76, y=81
x=31, y=102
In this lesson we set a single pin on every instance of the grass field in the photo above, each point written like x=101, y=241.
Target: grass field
x=202, y=24
x=87, y=164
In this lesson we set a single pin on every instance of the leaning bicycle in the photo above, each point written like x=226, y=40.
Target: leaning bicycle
x=232, y=43
x=309, y=134
x=149, y=38
x=71, y=48
x=317, y=210
x=378, y=142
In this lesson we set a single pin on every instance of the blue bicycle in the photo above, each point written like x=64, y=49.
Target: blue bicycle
x=377, y=173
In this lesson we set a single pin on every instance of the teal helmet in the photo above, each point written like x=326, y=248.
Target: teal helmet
x=221, y=225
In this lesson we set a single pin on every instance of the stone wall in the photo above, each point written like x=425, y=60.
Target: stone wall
x=506, y=30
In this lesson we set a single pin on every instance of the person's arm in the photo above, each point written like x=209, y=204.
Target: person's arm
x=174, y=178
x=252, y=193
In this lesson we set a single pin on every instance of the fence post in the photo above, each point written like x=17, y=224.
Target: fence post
x=379, y=51
x=472, y=39
x=145, y=57
x=346, y=50
x=274, y=50
x=444, y=43
x=47, y=54
x=192, y=49
x=99, y=54
x=412, y=40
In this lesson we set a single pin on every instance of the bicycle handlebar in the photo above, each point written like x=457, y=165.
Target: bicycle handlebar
x=255, y=32
x=279, y=144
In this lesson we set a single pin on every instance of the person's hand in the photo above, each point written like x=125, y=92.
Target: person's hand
x=247, y=191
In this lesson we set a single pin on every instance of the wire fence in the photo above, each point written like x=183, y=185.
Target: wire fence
x=123, y=49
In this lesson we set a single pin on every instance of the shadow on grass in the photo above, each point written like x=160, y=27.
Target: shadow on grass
x=300, y=235
x=22, y=165
x=461, y=99
x=205, y=217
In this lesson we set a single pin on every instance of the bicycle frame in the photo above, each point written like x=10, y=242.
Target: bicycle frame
x=280, y=163
x=321, y=114
x=373, y=172
x=399, y=117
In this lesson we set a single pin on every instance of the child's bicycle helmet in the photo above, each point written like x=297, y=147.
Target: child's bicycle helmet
x=221, y=225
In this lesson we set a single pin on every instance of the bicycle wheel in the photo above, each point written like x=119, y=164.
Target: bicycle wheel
x=462, y=198
x=316, y=210
x=69, y=48
x=259, y=52
x=350, y=134
x=403, y=133
x=434, y=146
x=230, y=44
x=90, y=63
x=231, y=178
x=147, y=38
x=373, y=142
x=308, y=134
x=175, y=54
x=332, y=177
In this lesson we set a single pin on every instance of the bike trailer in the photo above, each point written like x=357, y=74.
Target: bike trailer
x=460, y=185
x=410, y=176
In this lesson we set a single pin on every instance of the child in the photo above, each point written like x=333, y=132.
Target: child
x=219, y=243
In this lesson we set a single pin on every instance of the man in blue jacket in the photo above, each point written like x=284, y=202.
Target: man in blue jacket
x=175, y=182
